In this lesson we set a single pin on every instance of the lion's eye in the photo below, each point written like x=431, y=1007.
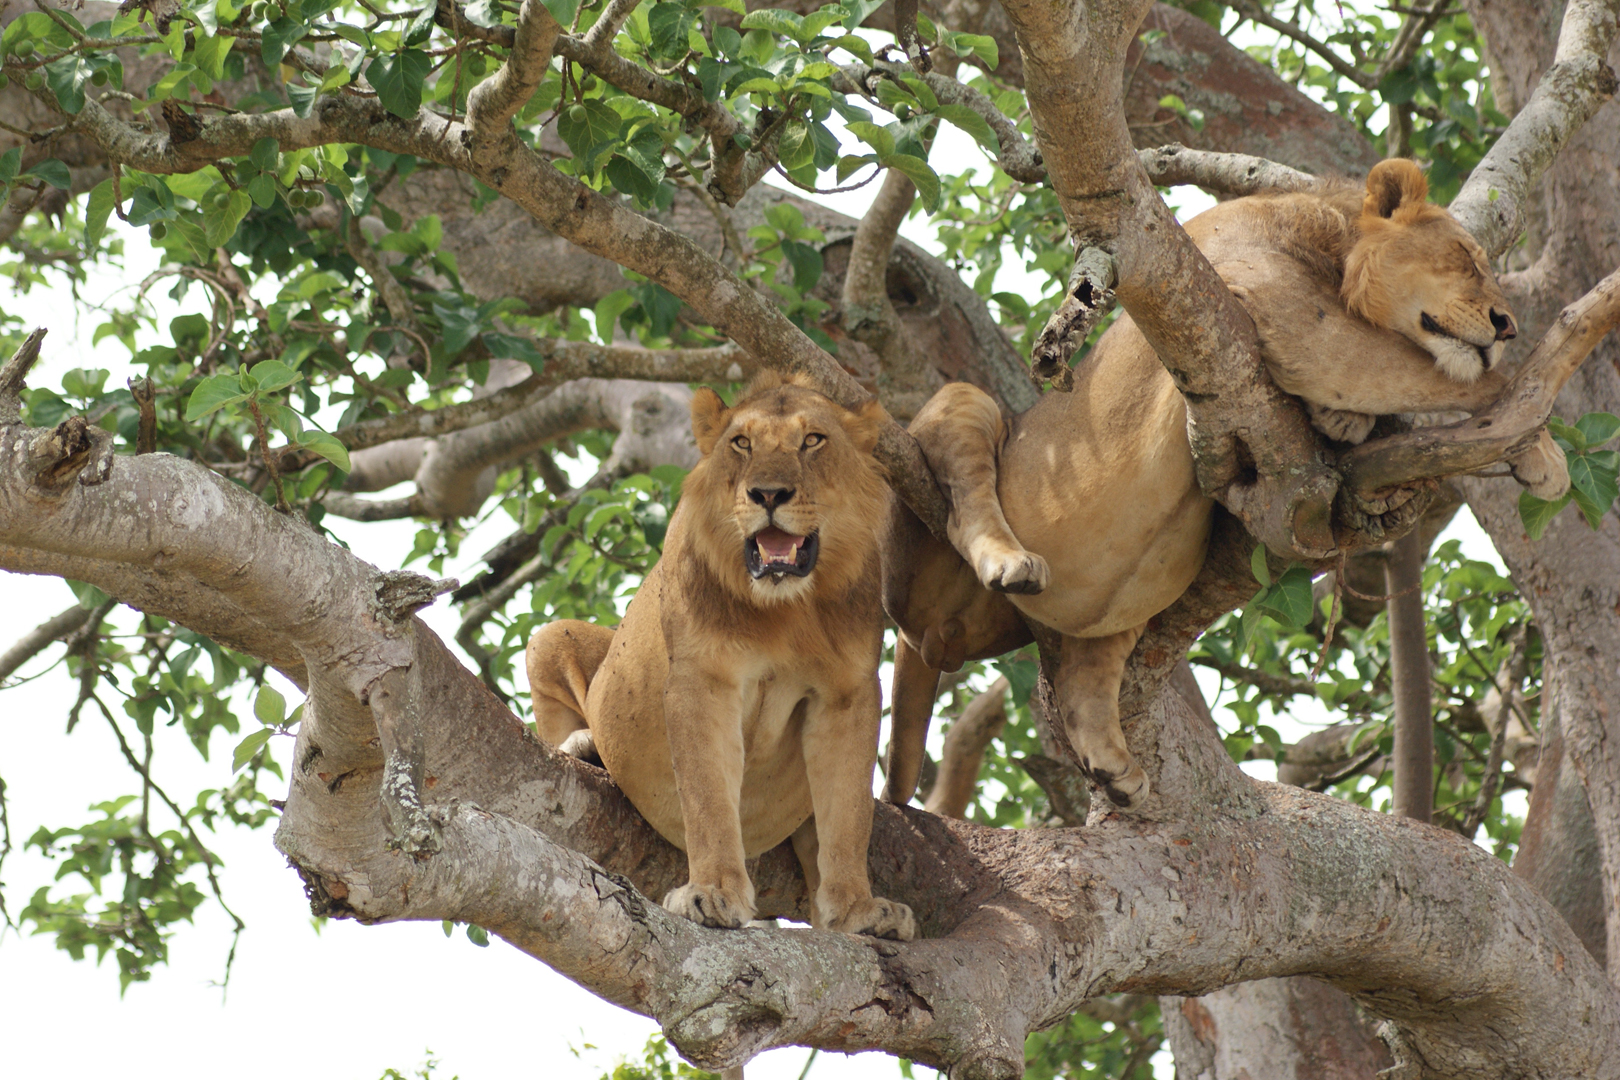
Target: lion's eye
x=813, y=440
x=741, y=442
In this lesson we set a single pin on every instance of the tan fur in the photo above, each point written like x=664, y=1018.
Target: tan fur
x=737, y=713
x=1090, y=496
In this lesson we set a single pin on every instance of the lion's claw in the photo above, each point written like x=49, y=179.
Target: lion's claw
x=1017, y=571
x=709, y=905
x=877, y=917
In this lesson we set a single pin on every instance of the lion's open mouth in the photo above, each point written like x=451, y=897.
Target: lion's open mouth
x=774, y=552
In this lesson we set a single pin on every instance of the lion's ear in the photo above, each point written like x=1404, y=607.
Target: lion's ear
x=709, y=418
x=1393, y=186
x=865, y=424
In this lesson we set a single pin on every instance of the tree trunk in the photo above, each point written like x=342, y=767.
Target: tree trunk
x=1571, y=576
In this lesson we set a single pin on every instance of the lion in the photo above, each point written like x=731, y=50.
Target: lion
x=1084, y=513
x=737, y=703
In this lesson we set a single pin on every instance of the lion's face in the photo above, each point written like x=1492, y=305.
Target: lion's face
x=1416, y=271
x=793, y=476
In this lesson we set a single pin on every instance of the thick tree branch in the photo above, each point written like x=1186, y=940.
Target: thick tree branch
x=494, y=102
x=1492, y=203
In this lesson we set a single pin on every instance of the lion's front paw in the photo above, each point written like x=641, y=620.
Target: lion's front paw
x=1013, y=571
x=709, y=905
x=582, y=746
x=1542, y=469
x=1341, y=425
x=878, y=917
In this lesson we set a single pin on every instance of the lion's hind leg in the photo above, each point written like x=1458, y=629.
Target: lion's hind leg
x=1089, y=674
x=562, y=658
x=961, y=431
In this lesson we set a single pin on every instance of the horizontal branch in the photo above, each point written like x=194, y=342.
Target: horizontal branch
x=1225, y=174
x=1515, y=419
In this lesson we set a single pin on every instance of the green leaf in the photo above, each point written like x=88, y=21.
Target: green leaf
x=264, y=154
x=270, y=707
x=563, y=11
x=278, y=38
x=972, y=123
x=325, y=445
x=398, y=81
x=607, y=312
x=807, y=264
x=1257, y=564
x=784, y=23
x=273, y=375
x=10, y=162
x=921, y=174
x=475, y=933
x=1289, y=601
x=628, y=177
x=1570, y=437
x=262, y=190
x=879, y=139
x=1598, y=428
x=209, y=55
x=590, y=129
x=54, y=173
x=96, y=211
x=1537, y=513
x=214, y=392
x=219, y=223
x=421, y=27
x=599, y=517
x=302, y=98
x=66, y=78
x=668, y=25
x=248, y=748
x=982, y=47
x=1593, y=487
x=855, y=46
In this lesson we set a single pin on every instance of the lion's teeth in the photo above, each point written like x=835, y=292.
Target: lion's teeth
x=793, y=554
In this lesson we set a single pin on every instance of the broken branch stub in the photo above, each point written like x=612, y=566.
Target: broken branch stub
x=1088, y=297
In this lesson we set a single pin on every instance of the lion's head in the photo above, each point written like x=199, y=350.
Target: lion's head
x=1414, y=270
x=789, y=498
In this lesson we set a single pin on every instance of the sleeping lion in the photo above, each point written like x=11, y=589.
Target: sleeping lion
x=737, y=704
x=1084, y=514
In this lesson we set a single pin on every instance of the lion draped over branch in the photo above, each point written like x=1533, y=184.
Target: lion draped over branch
x=1084, y=513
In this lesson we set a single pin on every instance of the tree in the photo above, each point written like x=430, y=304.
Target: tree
x=435, y=208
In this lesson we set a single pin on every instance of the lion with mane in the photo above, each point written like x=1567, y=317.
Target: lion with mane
x=737, y=703
x=1084, y=513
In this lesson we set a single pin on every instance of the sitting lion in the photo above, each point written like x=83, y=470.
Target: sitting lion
x=737, y=704
x=1084, y=514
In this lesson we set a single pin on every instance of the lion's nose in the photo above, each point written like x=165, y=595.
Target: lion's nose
x=770, y=498
x=1504, y=325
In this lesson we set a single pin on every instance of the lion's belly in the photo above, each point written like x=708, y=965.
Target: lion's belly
x=1100, y=483
x=626, y=710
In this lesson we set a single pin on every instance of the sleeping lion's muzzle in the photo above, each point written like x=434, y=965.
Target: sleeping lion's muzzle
x=774, y=552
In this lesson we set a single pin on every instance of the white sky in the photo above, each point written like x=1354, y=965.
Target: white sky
x=353, y=1000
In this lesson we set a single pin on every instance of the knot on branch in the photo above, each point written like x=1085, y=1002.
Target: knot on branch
x=1088, y=296
x=744, y=1014
x=59, y=456
x=1365, y=520
x=411, y=828
x=398, y=594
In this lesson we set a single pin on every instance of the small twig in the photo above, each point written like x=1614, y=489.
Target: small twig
x=265, y=455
